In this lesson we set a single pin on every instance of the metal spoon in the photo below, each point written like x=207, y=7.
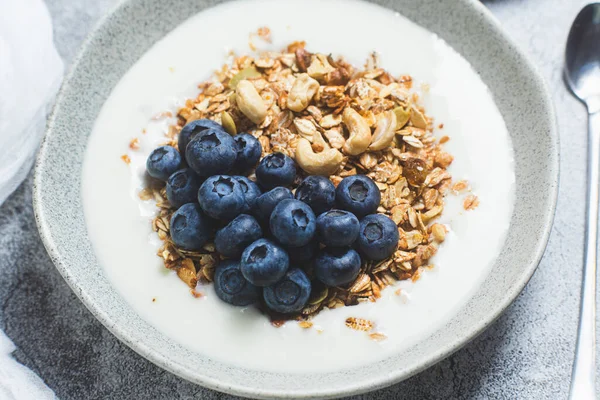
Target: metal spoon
x=582, y=74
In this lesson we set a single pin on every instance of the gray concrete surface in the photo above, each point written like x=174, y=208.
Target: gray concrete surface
x=526, y=354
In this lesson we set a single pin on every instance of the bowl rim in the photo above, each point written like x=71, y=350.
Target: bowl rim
x=362, y=386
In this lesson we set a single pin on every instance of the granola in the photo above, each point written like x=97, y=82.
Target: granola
x=336, y=120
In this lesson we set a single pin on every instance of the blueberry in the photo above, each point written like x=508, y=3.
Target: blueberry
x=192, y=129
x=248, y=151
x=337, y=266
x=232, y=287
x=237, y=235
x=264, y=263
x=163, y=162
x=302, y=254
x=378, y=237
x=221, y=197
x=337, y=228
x=211, y=152
x=190, y=228
x=276, y=169
x=293, y=223
x=290, y=294
x=182, y=187
x=358, y=194
x=266, y=202
x=318, y=192
x=251, y=191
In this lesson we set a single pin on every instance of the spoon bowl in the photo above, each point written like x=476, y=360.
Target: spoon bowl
x=582, y=58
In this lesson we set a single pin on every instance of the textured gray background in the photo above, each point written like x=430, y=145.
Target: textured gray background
x=526, y=354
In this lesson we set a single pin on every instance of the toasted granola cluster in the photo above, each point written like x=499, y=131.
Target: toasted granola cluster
x=334, y=120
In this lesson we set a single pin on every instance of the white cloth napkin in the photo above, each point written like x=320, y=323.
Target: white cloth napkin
x=30, y=73
x=16, y=381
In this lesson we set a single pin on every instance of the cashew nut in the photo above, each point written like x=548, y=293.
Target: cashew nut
x=384, y=132
x=360, y=133
x=324, y=163
x=250, y=102
x=302, y=92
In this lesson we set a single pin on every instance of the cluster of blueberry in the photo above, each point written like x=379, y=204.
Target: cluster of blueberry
x=262, y=227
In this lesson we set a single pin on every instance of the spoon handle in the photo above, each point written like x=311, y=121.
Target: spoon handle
x=583, y=378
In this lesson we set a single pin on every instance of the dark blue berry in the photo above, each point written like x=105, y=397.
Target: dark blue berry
x=211, y=152
x=232, y=287
x=251, y=191
x=318, y=192
x=231, y=240
x=337, y=266
x=378, y=237
x=163, y=162
x=358, y=194
x=337, y=228
x=192, y=129
x=266, y=202
x=289, y=294
x=264, y=262
x=302, y=254
x=276, y=169
x=190, y=228
x=221, y=197
x=182, y=187
x=248, y=151
x=293, y=223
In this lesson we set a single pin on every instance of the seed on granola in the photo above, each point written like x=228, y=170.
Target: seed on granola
x=460, y=186
x=145, y=194
x=228, y=123
x=319, y=67
x=361, y=283
x=318, y=295
x=377, y=336
x=418, y=119
x=439, y=232
x=305, y=324
x=359, y=324
x=264, y=33
x=162, y=115
x=443, y=159
x=246, y=73
x=471, y=202
x=330, y=120
x=134, y=144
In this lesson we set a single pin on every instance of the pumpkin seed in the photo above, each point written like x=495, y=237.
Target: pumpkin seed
x=318, y=295
x=402, y=116
x=246, y=73
x=228, y=123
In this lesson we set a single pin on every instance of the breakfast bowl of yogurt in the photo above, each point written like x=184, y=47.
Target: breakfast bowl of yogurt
x=298, y=199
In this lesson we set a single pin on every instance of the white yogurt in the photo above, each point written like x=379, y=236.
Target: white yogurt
x=119, y=223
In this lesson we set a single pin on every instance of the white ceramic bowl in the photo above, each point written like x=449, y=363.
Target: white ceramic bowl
x=135, y=25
